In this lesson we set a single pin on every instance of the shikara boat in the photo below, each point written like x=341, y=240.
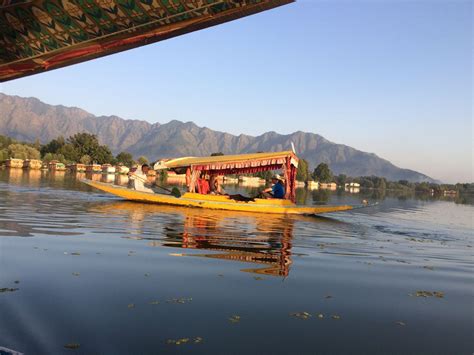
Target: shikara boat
x=197, y=167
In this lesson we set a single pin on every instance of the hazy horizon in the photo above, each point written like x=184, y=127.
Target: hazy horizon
x=392, y=78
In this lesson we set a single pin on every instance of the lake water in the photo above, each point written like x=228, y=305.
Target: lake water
x=106, y=276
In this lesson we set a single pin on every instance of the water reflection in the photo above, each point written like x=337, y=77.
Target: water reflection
x=247, y=238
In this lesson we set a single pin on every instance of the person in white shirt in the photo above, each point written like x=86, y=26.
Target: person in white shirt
x=138, y=178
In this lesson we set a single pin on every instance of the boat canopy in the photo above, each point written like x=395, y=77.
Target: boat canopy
x=41, y=35
x=194, y=167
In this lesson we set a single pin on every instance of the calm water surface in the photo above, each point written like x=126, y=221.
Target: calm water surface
x=121, y=278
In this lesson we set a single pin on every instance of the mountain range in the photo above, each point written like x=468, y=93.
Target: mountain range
x=28, y=119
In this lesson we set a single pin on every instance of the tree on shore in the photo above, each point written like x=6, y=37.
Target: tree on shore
x=22, y=151
x=125, y=158
x=322, y=173
x=302, y=173
x=341, y=179
x=88, y=144
x=76, y=147
x=142, y=160
x=85, y=159
x=53, y=156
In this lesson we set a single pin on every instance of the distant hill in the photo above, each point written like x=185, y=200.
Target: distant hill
x=28, y=119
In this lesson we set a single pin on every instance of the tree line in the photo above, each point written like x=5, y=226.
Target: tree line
x=85, y=148
x=322, y=173
x=79, y=148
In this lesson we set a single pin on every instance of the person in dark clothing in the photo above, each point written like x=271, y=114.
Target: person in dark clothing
x=276, y=191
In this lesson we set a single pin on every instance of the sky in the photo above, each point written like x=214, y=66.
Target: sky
x=390, y=77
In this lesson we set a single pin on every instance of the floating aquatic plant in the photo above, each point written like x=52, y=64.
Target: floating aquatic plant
x=425, y=294
x=8, y=289
x=181, y=300
x=301, y=315
x=234, y=319
x=72, y=346
x=195, y=340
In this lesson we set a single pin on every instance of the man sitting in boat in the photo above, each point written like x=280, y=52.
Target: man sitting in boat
x=138, y=178
x=276, y=191
x=216, y=188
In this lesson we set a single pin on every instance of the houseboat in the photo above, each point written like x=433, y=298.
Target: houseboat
x=300, y=183
x=312, y=185
x=108, y=169
x=55, y=165
x=352, y=187
x=32, y=164
x=251, y=181
x=230, y=180
x=78, y=168
x=14, y=163
x=93, y=168
x=122, y=169
x=197, y=168
x=328, y=186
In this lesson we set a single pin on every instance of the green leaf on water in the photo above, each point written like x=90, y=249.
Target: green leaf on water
x=72, y=346
x=301, y=315
x=181, y=300
x=154, y=302
x=234, y=319
x=8, y=289
x=426, y=294
x=195, y=340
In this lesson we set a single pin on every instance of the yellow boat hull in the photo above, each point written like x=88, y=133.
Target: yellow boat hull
x=216, y=202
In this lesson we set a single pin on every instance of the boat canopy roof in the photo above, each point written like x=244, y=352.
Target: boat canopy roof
x=230, y=164
x=39, y=35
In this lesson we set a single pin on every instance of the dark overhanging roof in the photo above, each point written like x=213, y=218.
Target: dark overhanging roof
x=41, y=35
